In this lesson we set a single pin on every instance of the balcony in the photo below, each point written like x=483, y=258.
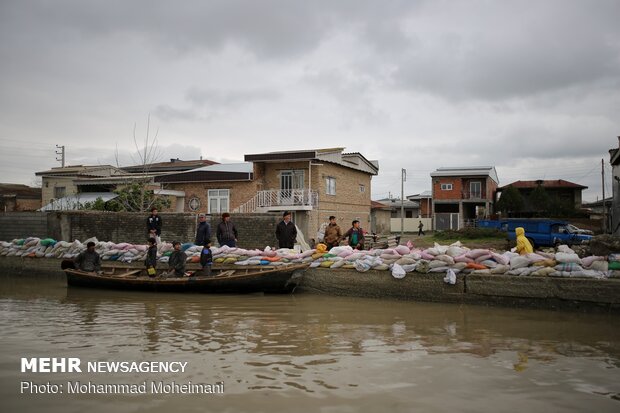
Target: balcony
x=278, y=200
x=473, y=195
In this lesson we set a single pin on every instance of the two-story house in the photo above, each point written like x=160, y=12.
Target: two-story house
x=462, y=194
x=314, y=184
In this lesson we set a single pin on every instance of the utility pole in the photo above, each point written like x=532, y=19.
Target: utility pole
x=62, y=154
x=603, y=182
x=403, y=178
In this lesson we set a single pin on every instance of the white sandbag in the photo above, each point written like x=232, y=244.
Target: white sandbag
x=565, y=249
x=445, y=258
x=398, y=272
x=567, y=258
x=450, y=277
x=519, y=262
x=602, y=266
x=362, y=265
x=500, y=269
x=409, y=267
x=533, y=257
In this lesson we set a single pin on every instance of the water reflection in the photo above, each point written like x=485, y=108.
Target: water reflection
x=319, y=346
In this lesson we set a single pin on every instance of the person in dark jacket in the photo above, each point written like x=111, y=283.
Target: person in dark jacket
x=226, y=232
x=286, y=233
x=153, y=225
x=332, y=234
x=206, y=259
x=355, y=235
x=176, y=263
x=151, y=257
x=89, y=260
x=203, y=232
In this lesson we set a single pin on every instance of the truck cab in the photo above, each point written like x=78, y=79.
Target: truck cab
x=543, y=232
x=540, y=232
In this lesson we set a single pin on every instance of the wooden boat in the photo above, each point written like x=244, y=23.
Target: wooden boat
x=281, y=279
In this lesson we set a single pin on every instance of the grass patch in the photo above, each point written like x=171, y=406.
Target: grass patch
x=478, y=234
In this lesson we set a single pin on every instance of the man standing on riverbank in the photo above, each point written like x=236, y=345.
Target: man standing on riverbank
x=153, y=225
x=332, y=234
x=226, y=232
x=203, y=232
x=286, y=233
x=355, y=235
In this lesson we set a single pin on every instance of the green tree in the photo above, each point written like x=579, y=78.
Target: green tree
x=136, y=198
x=540, y=200
x=510, y=201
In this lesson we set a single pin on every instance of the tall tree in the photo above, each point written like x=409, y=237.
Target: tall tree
x=138, y=193
x=510, y=201
x=540, y=200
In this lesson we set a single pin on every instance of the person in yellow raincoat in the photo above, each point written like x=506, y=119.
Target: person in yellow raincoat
x=523, y=244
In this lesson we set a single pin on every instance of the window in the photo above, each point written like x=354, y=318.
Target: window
x=218, y=200
x=446, y=187
x=475, y=189
x=59, y=192
x=330, y=183
x=290, y=180
x=362, y=188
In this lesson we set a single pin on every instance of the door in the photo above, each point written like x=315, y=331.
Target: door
x=475, y=190
x=291, y=187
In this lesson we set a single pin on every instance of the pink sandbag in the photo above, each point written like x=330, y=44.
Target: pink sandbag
x=426, y=256
x=587, y=261
x=477, y=253
x=500, y=259
x=463, y=258
x=345, y=253
x=483, y=258
x=402, y=250
x=271, y=253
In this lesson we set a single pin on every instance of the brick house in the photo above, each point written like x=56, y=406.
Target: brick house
x=17, y=197
x=424, y=199
x=462, y=194
x=565, y=191
x=314, y=184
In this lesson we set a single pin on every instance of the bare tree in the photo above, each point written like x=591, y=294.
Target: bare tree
x=137, y=195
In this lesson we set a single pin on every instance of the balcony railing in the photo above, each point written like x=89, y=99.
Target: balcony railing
x=472, y=195
x=280, y=198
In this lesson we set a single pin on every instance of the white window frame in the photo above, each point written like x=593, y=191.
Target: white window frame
x=218, y=195
x=446, y=187
x=330, y=185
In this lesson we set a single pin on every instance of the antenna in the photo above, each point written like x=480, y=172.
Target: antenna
x=62, y=154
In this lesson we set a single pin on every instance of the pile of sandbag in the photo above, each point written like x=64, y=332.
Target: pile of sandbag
x=445, y=259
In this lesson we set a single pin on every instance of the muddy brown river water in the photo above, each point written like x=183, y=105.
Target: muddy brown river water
x=302, y=352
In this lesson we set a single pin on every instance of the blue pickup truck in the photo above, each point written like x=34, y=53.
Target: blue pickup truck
x=540, y=232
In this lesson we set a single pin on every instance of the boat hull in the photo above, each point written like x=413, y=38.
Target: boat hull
x=270, y=281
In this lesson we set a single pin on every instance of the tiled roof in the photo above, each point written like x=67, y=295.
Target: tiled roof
x=556, y=183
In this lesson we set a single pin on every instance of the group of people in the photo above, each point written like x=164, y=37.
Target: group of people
x=226, y=234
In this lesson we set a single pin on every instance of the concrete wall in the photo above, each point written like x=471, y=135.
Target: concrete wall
x=255, y=230
x=411, y=224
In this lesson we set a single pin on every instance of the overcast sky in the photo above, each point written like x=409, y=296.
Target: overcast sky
x=531, y=87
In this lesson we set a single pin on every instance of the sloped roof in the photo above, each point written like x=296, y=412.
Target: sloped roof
x=556, y=183
x=82, y=170
x=467, y=171
x=332, y=155
x=73, y=202
x=241, y=171
x=378, y=205
x=172, y=165
x=20, y=191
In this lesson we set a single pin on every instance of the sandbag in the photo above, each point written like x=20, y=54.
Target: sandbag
x=519, y=262
x=398, y=272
